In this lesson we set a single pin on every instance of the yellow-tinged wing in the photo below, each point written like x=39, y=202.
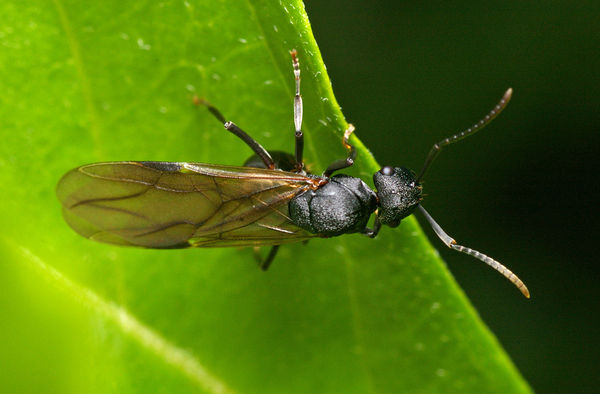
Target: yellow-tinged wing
x=178, y=205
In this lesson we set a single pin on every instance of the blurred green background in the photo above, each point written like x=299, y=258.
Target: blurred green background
x=525, y=190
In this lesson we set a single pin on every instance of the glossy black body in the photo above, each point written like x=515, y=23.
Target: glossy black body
x=345, y=204
x=341, y=206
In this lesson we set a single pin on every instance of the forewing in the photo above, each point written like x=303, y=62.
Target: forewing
x=173, y=205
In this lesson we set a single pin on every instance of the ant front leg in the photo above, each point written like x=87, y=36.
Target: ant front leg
x=372, y=233
x=348, y=161
x=234, y=129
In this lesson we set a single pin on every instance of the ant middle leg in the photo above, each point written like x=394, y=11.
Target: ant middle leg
x=265, y=263
x=298, y=110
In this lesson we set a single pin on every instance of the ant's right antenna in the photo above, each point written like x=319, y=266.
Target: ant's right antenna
x=436, y=148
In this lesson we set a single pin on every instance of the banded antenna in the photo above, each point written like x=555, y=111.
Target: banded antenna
x=451, y=243
x=445, y=238
x=437, y=147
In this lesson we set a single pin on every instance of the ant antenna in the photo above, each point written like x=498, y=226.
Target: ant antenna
x=436, y=148
x=451, y=243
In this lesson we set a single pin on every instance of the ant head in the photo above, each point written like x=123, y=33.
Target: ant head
x=399, y=194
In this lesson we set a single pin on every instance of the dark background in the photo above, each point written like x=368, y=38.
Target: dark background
x=525, y=190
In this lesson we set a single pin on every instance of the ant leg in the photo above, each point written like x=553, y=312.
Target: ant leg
x=348, y=161
x=372, y=233
x=234, y=129
x=264, y=264
x=298, y=113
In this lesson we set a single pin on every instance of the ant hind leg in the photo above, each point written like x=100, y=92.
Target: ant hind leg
x=234, y=129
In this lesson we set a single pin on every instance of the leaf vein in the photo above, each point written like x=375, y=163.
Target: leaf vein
x=86, y=89
x=149, y=339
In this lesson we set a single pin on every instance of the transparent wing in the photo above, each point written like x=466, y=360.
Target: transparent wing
x=178, y=205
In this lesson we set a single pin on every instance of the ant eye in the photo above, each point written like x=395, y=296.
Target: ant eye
x=387, y=170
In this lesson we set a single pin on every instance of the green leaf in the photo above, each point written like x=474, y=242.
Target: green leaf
x=85, y=82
